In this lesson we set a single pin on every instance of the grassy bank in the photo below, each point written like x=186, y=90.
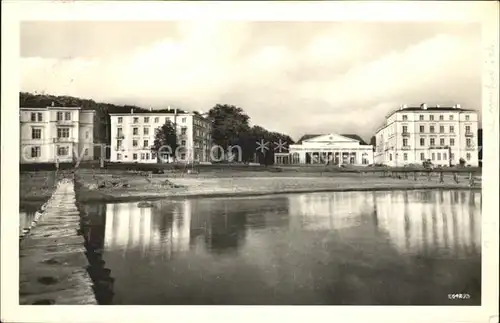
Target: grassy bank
x=121, y=185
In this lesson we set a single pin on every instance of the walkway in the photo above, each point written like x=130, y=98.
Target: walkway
x=52, y=261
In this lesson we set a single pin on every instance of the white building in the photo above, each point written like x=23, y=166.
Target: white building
x=56, y=133
x=318, y=149
x=415, y=134
x=133, y=135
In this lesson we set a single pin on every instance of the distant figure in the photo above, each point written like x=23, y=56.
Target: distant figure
x=57, y=163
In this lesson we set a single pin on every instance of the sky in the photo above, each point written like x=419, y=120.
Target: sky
x=290, y=77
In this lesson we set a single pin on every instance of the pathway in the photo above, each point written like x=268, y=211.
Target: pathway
x=52, y=261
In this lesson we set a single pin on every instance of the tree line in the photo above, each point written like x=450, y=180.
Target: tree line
x=230, y=125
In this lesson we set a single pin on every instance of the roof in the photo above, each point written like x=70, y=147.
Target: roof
x=428, y=109
x=351, y=136
x=52, y=108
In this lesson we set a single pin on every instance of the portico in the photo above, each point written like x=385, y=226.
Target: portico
x=332, y=149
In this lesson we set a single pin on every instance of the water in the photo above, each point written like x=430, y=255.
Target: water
x=360, y=248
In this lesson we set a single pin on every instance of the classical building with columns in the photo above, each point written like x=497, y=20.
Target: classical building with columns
x=327, y=148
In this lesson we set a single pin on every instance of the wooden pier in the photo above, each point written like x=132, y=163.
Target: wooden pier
x=52, y=261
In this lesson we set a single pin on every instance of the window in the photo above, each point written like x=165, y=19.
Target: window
x=136, y=120
x=146, y=119
x=134, y=156
x=433, y=156
x=421, y=117
x=183, y=130
x=33, y=116
x=39, y=116
x=405, y=156
x=441, y=117
x=87, y=134
x=119, y=156
x=146, y=131
x=422, y=156
x=146, y=143
x=119, y=143
x=59, y=116
x=120, y=120
x=183, y=120
x=468, y=142
x=467, y=117
x=444, y=156
x=62, y=132
x=119, y=132
x=438, y=156
x=451, y=117
x=452, y=141
x=467, y=129
x=405, y=129
x=67, y=116
x=431, y=129
x=441, y=129
x=432, y=142
x=390, y=157
x=147, y=156
x=405, y=142
x=62, y=151
x=422, y=129
x=183, y=143
x=452, y=129
x=431, y=117
x=167, y=119
x=86, y=152
x=134, y=143
x=36, y=152
x=405, y=117
x=143, y=156
x=135, y=131
x=441, y=141
x=36, y=133
x=422, y=141
x=467, y=156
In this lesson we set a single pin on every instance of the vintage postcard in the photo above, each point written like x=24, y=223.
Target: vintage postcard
x=337, y=156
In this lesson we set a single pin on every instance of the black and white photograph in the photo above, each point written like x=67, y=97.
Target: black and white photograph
x=226, y=161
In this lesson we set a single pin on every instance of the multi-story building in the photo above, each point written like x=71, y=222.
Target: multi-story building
x=63, y=134
x=443, y=135
x=133, y=135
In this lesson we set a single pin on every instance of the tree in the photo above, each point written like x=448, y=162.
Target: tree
x=165, y=141
x=462, y=162
x=229, y=125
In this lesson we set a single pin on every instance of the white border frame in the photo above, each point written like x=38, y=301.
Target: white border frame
x=13, y=12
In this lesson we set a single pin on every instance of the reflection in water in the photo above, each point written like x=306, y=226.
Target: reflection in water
x=317, y=248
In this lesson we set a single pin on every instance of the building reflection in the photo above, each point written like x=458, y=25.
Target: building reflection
x=329, y=211
x=415, y=221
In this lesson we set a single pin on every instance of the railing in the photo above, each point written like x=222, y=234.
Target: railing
x=64, y=122
x=64, y=139
x=120, y=137
x=470, y=148
x=406, y=148
x=405, y=134
x=469, y=134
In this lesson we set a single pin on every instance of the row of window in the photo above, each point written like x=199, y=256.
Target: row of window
x=144, y=156
x=36, y=151
x=431, y=117
x=441, y=129
x=135, y=131
x=442, y=142
x=135, y=143
x=434, y=156
x=38, y=116
x=147, y=119
x=36, y=133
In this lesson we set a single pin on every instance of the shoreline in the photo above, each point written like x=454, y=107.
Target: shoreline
x=89, y=196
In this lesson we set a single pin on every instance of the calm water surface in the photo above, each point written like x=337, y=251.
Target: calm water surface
x=360, y=248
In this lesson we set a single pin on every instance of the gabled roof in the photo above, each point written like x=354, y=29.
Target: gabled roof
x=350, y=136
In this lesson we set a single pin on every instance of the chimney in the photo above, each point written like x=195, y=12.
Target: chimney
x=132, y=111
x=437, y=105
x=457, y=106
x=150, y=109
x=423, y=106
x=53, y=103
